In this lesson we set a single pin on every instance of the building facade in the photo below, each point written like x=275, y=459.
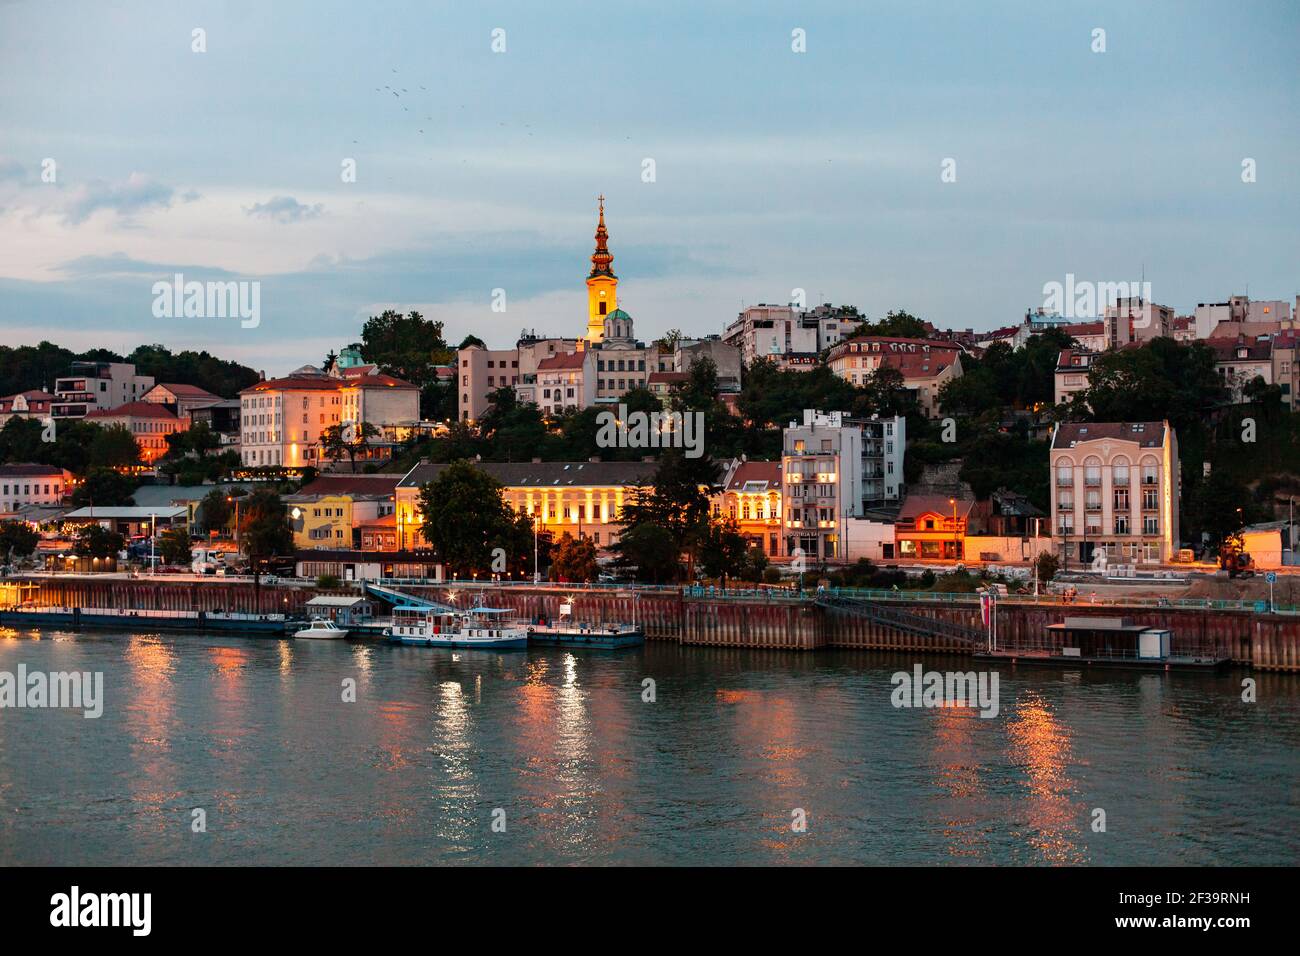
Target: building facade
x=97, y=386
x=32, y=484
x=1116, y=491
x=148, y=422
x=924, y=364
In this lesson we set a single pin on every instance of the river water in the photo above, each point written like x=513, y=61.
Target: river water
x=551, y=756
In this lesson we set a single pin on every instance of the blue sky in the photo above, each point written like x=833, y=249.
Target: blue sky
x=774, y=170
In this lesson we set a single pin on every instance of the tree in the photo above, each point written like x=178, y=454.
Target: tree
x=17, y=539
x=676, y=501
x=724, y=550
x=214, y=511
x=96, y=541
x=264, y=526
x=347, y=439
x=331, y=360
x=574, y=559
x=1047, y=564
x=105, y=488
x=407, y=346
x=174, y=546
x=650, y=552
x=897, y=323
x=114, y=447
x=464, y=517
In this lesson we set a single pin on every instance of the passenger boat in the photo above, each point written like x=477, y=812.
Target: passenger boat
x=322, y=629
x=482, y=627
x=570, y=634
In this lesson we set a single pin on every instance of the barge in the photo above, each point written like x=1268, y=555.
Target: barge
x=75, y=618
x=1106, y=642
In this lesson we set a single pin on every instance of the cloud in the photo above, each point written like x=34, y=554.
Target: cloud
x=136, y=194
x=285, y=209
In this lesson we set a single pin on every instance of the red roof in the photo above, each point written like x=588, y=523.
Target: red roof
x=917, y=364
x=1084, y=328
x=35, y=399
x=373, y=484
x=377, y=380
x=916, y=505
x=1146, y=434
x=185, y=391
x=562, y=361
x=765, y=471
x=28, y=470
x=135, y=410
x=669, y=378
x=299, y=383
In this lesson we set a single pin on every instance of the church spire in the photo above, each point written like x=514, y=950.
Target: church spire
x=601, y=259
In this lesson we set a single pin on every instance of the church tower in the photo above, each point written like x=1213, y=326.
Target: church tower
x=602, y=284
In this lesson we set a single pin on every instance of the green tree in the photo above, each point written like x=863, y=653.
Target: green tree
x=174, y=546
x=214, y=511
x=114, y=447
x=463, y=517
x=1047, y=564
x=347, y=439
x=105, y=488
x=264, y=526
x=677, y=501
x=407, y=346
x=724, y=550
x=17, y=539
x=96, y=541
x=649, y=551
x=574, y=559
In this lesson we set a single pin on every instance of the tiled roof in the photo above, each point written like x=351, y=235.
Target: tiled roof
x=297, y=383
x=35, y=399
x=916, y=505
x=547, y=474
x=1146, y=434
x=135, y=410
x=768, y=472
x=1084, y=328
x=1225, y=350
x=29, y=470
x=372, y=484
x=1073, y=359
x=186, y=391
x=562, y=361
x=668, y=378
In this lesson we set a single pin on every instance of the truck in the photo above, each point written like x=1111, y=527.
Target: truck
x=1234, y=559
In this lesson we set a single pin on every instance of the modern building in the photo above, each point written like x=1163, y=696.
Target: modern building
x=1239, y=309
x=1132, y=319
x=32, y=484
x=96, y=386
x=1115, y=490
x=149, y=422
x=221, y=417
x=821, y=465
x=778, y=331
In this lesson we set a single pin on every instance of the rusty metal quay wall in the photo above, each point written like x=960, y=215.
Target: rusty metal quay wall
x=1262, y=640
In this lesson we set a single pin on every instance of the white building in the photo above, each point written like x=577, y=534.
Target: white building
x=30, y=484
x=97, y=386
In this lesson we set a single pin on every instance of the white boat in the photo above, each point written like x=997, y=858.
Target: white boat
x=482, y=627
x=322, y=629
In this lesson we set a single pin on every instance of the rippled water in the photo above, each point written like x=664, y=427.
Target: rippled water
x=255, y=732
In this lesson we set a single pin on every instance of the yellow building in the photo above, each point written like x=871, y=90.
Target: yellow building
x=329, y=512
x=602, y=284
x=583, y=498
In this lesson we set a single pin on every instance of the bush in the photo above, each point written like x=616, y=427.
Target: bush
x=1047, y=565
x=327, y=581
x=771, y=575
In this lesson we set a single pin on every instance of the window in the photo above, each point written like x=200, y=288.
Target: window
x=1121, y=524
x=1150, y=499
x=1064, y=474
x=1121, y=499
x=1149, y=474
x=1150, y=524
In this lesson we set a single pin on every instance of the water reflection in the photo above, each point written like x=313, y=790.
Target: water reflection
x=1039, y=745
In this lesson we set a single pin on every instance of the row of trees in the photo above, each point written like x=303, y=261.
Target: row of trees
x=27, y=367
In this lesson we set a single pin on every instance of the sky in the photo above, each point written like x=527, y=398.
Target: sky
x=773, y=170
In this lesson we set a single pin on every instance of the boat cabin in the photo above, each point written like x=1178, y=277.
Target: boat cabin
x=1110, y=638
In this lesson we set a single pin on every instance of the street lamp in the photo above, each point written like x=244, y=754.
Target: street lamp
x=953, y=502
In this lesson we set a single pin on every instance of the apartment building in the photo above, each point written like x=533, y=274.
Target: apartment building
x=181, y=399
x=1115, y=489
x=774, y=331
x=1071, y=373
x=94, y=386
x=821, y=466
x=283, y=420
x=149, y=422
x=331, y=511
x=1132, y=319
x=925, y=365
x=566, y=382
x=1239, y=361
x=1241, y=309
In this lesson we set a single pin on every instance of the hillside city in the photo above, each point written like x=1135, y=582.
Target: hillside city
x=1099, y=432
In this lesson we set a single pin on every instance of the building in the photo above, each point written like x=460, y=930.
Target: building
x=1071, y=373
x=531, y=351
x=221, y=417
x=583, y=498
x=932, y=528
x=181, y=399
x=31, y=484
x=661, y=384
x=1132, y=319
x=884, y=441
x=925, y=365
x=566, y=382
x=1286, y=374
x=821, y=464
x=132, y=521
x=1183, y=329
x=283, y=421
x=776, y=331
x=96, y=386
x=482, y=371
x=751, y=494
x=331, y=511
x=1115, y=489
x=1240, y=309
x=1088, y=336
x=32, y=403
x=149, y=422
x=1241, y=360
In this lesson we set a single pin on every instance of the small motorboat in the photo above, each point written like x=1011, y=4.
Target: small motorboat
x=322, y=629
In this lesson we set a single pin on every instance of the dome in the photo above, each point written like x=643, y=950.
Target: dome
x=618, y=314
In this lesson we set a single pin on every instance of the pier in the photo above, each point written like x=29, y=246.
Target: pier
x=777, y=620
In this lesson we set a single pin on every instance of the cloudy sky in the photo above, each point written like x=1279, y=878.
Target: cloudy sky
x=773, y=170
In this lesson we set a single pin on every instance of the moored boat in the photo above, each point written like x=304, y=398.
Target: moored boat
x=481, y=627
x=322, y=629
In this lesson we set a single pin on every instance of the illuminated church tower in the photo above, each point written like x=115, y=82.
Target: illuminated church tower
x=602, y=284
